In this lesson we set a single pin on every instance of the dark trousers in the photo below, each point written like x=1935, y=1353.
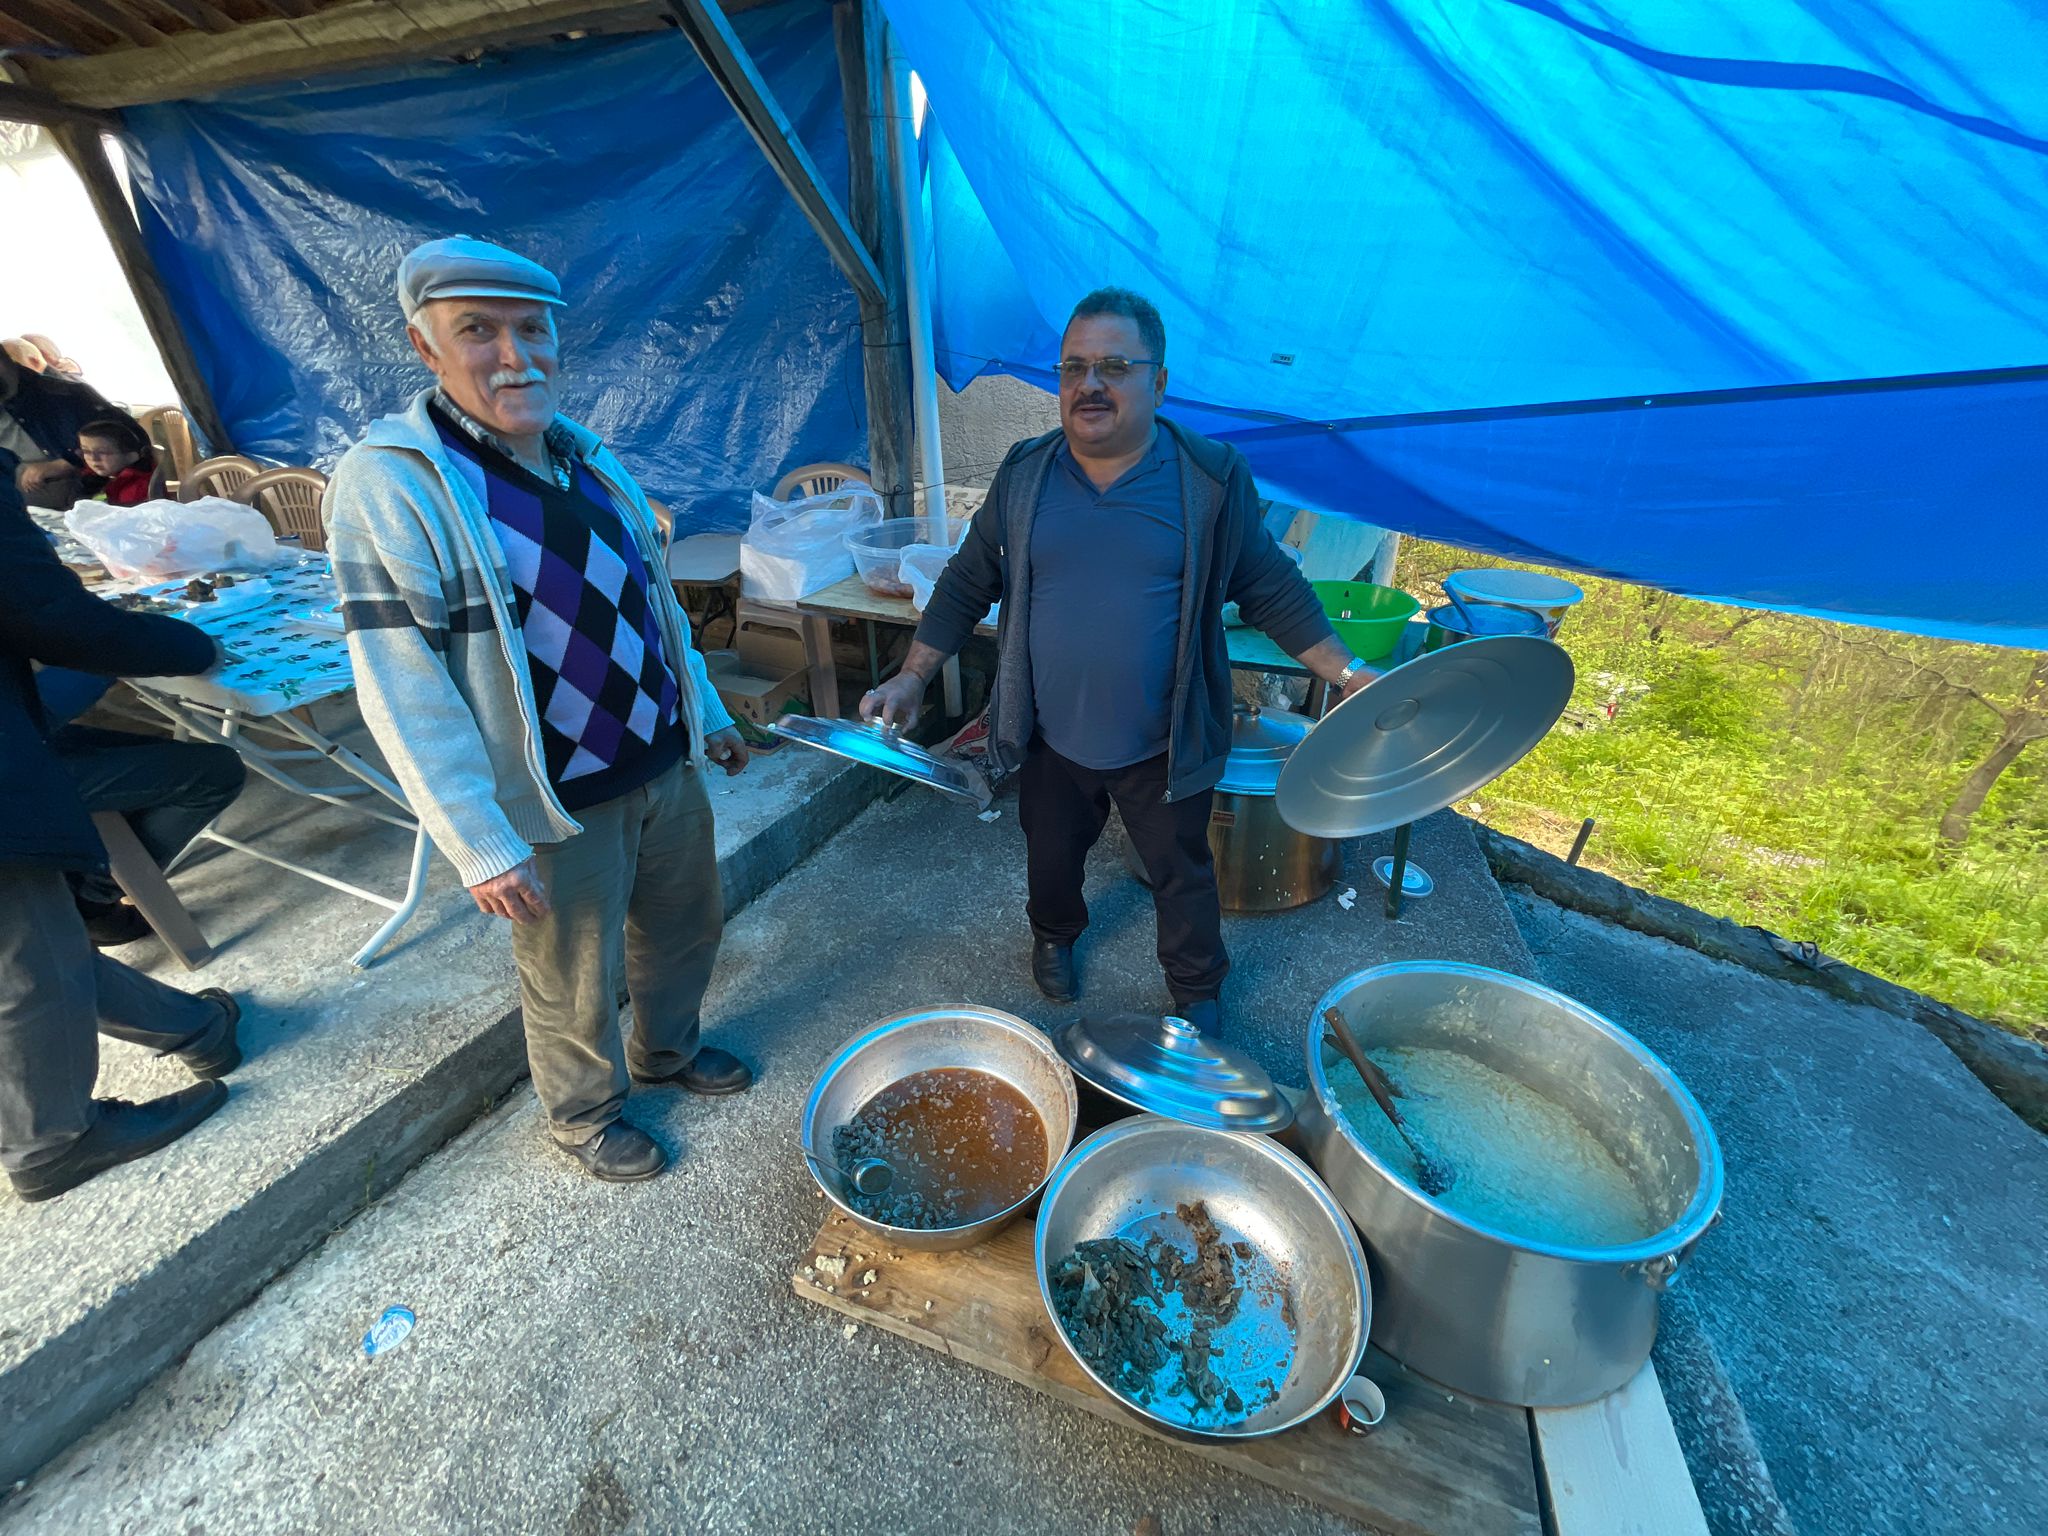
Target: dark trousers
x=56, y=997
x=167, y=790
x=1064, y=808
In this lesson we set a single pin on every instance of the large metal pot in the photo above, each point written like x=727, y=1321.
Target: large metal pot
x=1481, y=1310
x=1262, y=864
x=984, y=1039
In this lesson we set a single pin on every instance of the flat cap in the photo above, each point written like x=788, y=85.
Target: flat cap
x=461, y=268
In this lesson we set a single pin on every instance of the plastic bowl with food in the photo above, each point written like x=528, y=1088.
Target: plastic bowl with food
x=878, y=549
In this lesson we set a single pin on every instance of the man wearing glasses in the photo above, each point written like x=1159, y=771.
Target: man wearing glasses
x=1114, y=544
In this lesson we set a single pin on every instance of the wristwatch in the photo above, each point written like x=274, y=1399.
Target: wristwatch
x=1344, y=677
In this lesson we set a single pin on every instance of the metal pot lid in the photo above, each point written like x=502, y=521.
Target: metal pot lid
x=1165, y=1065
x=868, y=741
x=1261, y=741
x=1427, y=733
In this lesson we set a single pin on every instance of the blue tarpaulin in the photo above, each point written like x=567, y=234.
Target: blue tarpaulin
x=1389, y=237
x=708, y=336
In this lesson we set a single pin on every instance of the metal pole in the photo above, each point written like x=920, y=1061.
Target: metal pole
x=1579, y=842
x=1398, y=876
x=924, y=381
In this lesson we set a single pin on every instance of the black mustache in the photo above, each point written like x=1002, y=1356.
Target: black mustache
x=1091, y=400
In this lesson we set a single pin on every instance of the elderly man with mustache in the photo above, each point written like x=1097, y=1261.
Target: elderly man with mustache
x=1114, y=544
x=523, y=662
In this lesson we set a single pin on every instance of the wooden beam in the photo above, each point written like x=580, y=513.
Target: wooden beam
x=202, y=14
x=40, y=28
x=88, y=156
x=25, y=104
x=365, y=34
x=857, y=28
x=116, y=19
x=705, y=25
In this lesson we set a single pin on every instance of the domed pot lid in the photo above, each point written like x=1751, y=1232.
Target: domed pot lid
x=1261, y=741
x=1167, y=1066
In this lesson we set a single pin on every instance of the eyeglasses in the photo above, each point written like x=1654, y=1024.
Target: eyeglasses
x=1111, y=370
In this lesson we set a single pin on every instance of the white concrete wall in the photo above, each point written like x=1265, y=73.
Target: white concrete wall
x=978, y=425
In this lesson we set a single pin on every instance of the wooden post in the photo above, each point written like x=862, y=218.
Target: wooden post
x=82, y=147
x=885, y=335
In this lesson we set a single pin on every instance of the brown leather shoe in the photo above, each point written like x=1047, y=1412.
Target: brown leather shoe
x=711, y=1072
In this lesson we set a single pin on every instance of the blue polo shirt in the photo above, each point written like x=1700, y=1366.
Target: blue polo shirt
x=1106, y=574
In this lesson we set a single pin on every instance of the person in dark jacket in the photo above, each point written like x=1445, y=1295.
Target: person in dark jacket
x=1113, y=545
x=40, y=415
x=54, y=990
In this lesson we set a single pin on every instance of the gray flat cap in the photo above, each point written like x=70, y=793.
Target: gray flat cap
x=461, y=268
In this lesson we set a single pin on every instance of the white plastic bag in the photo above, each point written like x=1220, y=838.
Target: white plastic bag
x=921, y=566
x=160, y=540
x=793, y=548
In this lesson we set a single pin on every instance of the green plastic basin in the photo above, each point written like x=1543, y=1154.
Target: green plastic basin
x=1367, y=617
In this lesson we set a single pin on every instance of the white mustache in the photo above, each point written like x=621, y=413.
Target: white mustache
x=505, y=377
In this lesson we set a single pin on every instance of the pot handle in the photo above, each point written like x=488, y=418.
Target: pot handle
x=1361, y=1406
x=1661, y=1273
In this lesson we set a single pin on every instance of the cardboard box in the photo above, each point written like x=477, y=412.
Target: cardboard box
x=760, y=694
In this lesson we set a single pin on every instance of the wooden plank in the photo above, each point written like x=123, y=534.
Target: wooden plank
x=1614, y=1468
x=120, y=21
x=361, y=35
x=858, y=30
x=711, y=34
x=26, y=104
x=1438, y=1466
x=202, y=14
x=88, y=156
x=144, y=884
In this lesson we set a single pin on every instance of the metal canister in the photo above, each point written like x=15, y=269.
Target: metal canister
x=1448, y=625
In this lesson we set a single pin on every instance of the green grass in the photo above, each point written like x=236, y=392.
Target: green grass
x=1792, y=774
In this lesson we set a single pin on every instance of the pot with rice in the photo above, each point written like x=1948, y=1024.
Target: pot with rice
x=1586, y=1173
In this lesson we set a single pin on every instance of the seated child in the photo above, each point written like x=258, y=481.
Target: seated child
x=119, y=461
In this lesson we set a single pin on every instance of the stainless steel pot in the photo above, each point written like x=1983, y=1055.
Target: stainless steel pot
x=984, y=1039
x=1477, y=1309
x=1262, y=864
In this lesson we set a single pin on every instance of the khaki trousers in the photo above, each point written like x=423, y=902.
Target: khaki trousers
x=645, y=868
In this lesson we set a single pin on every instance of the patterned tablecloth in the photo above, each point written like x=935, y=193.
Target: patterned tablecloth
x=279, y=661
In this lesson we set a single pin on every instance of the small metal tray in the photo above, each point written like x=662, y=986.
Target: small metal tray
x=879, y=746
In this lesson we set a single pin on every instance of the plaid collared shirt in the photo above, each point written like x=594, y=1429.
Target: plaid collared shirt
x=558, y=444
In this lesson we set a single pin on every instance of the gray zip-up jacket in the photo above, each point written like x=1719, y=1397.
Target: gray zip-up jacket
x=433, y=630
x=1231, y=558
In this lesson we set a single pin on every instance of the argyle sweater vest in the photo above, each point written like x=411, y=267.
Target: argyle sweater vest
x=605, y=692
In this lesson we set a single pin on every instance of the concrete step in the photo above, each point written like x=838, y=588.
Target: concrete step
x=352, y=1078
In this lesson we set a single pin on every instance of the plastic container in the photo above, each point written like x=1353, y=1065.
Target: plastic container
x=1447, y=626
x=878, y=550
x=1548, y=597
x=1367, y=617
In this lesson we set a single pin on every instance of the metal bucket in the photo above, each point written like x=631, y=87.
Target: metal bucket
x=984, y=1039
x=1484, y=1311
x=1447, y=626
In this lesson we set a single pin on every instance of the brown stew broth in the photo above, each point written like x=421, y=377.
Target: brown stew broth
x=963, y=1143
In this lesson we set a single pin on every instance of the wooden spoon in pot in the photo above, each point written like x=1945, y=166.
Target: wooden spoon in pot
x=1432, y=1174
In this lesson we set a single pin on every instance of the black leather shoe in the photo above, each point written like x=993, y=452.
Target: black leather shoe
x=122, y=1133
x=1052, y=967
x=1206, y=1014
x=112, y=923
x=215, y=1052
x=620, y=1154
x=711, y=1072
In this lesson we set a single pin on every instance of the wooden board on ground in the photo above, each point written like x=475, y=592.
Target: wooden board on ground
x=1439, y=1465
x=1614, y=1468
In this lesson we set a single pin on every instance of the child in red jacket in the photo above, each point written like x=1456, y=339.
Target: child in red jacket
x=119, y=461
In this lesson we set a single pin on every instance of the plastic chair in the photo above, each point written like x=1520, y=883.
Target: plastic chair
x=290, y=499
x=816, y=480
x=171, y=433
x=224, y=476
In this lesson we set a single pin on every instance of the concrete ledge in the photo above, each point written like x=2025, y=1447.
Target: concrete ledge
x=353, y=1078
x=2013, y=1067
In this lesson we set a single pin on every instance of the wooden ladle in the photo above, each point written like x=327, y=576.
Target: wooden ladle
x=1432, y=1174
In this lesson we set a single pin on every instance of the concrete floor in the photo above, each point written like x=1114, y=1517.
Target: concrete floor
x=351, y=1077
x=1875, y=1291
x=594, y=1360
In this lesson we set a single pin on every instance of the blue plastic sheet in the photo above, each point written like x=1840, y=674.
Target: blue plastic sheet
x=708, y=336
x=1349, y=212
